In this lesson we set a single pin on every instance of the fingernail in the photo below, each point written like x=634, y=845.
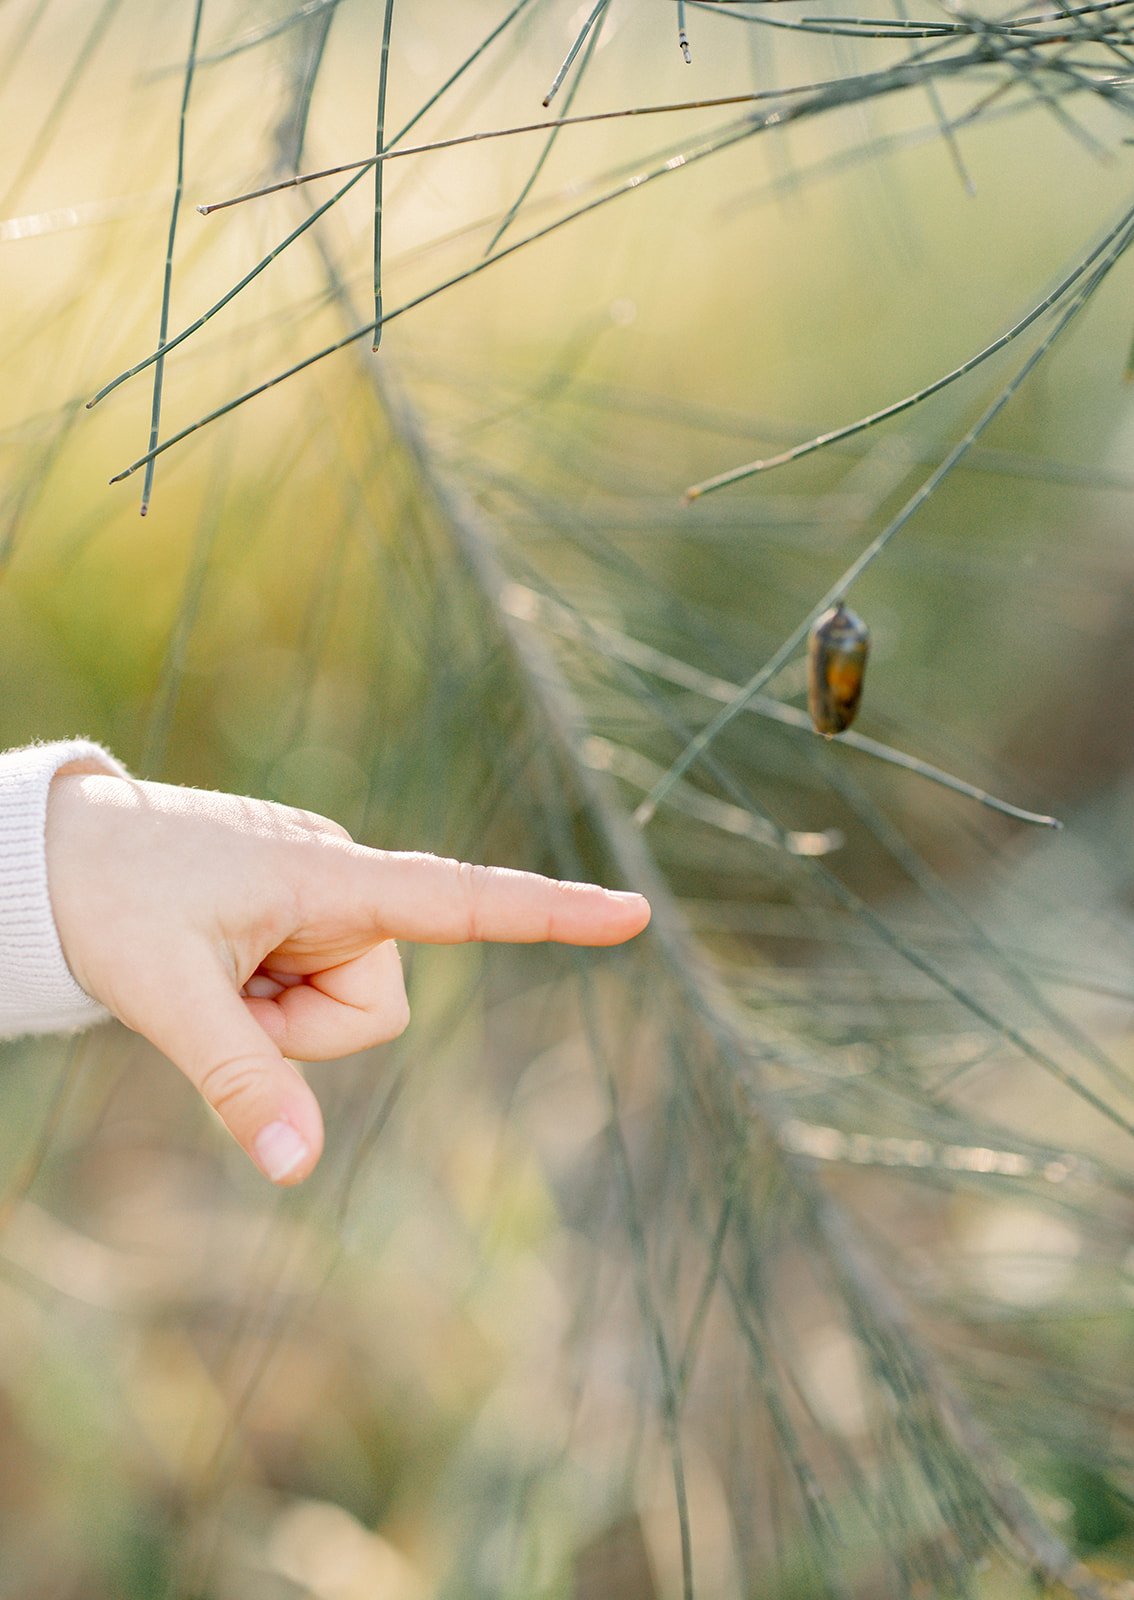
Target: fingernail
x=279, y=1149
x=626, y=897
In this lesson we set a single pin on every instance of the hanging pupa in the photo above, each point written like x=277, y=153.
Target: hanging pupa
x=836, y=664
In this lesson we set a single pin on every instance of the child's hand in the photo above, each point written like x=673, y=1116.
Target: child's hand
x=233, y=932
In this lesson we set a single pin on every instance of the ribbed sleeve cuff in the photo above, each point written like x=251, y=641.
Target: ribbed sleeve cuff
x=37, y=992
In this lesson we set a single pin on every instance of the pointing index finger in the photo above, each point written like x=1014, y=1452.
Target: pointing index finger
x=432, y=900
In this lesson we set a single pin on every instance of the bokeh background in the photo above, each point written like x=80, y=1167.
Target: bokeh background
x=787, y=1252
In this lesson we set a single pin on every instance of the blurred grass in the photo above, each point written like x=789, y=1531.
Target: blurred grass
x=436, y=1371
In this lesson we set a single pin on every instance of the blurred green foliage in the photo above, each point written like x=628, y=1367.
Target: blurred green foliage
x=570, y=1309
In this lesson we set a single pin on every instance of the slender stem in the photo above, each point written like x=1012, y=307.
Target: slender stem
x=218, y=305
x=258, y=36
x=379, y=170
x=599, y=7
x=631, y=1210
x=549, y=143
x=612, y=643
x=307, y=62
x=550, y=125
x=933, y=96
x=832, y=96
x=868, y=1292
x=698, y=744
x=167, y=282
x=704, y=1299
x=312, y=217
x=751, y=468
x=425, y=295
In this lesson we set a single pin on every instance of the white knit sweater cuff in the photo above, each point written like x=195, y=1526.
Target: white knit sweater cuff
x=37, y=992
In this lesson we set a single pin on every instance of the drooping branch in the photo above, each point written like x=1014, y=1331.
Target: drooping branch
x=867, y=1292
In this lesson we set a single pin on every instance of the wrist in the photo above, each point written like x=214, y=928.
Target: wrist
x=76, y=854
x=39, y=992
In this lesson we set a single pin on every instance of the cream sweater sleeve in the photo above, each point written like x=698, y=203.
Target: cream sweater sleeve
x=37, y=992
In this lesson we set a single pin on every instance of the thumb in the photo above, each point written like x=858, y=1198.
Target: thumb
x=200, y=1022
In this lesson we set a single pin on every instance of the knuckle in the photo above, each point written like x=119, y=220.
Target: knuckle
x=231, y=1081
x=397, y=1018
x=472, y=882
x=296, y=822
x=322, y=827
x=388, y=1022
x=330, y=829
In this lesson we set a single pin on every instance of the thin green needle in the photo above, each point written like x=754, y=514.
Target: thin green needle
x=167, y=283
x=557, y=82
x=682, y=36
x=379, y=170
x=757, y=682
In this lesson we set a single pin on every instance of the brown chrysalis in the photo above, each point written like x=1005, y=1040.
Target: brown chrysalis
x=836, y=664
